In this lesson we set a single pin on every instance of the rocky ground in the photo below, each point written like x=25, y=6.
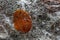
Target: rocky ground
x=45, y=19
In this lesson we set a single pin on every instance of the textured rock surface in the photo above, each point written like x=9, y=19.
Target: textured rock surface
x=45, y=19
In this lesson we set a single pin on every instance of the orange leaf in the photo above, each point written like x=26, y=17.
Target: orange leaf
x=22, y=21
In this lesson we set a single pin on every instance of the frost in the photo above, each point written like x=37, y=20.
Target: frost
x=3, y=35
x=58, y=37
x=37, y=10
x=23, y=2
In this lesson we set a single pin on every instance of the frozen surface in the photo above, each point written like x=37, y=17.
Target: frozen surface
x=45, y=19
